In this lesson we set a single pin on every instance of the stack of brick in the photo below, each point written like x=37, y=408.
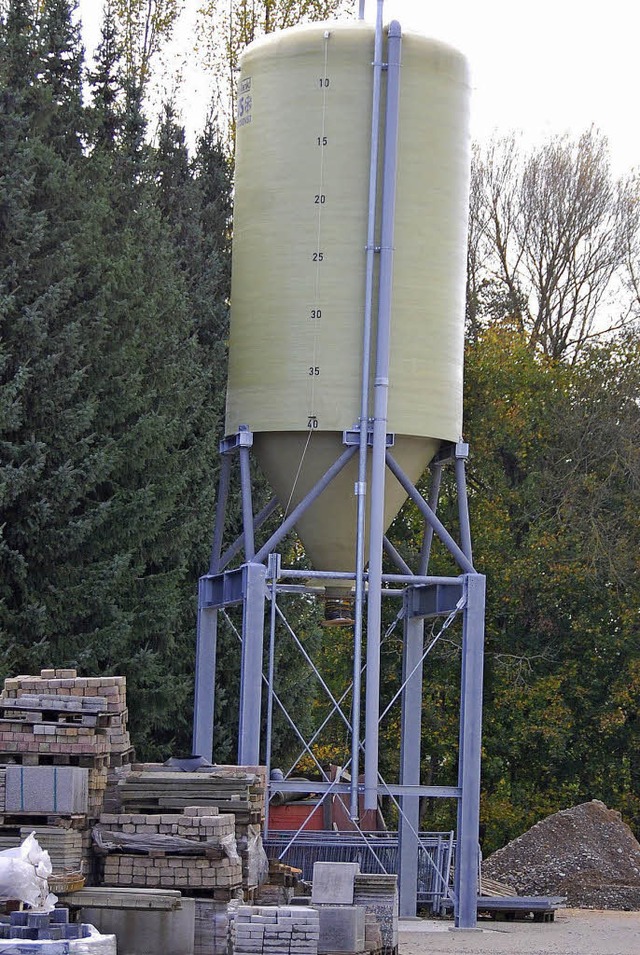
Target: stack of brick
x=59, y=736
x=236, y=790
x=281, y=885
x=273, y=930
x=193, y=851
x=87, y=725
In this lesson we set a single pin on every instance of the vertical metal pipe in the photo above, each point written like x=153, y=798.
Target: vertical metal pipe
x=247, y=507
x=270, y=682
x=434, y=494
x=469, y=753
x=221, y=508
x=411, y=734
x=361, y=10
x=361, y=486
x=463, y=507
x=380, y=403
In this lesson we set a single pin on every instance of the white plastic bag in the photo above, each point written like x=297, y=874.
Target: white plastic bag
x=24, y=872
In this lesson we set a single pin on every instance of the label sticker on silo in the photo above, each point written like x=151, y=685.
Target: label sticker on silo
x=245, y=102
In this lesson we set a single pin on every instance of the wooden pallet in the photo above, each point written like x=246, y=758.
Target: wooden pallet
x=84, y=760
x=16, y=820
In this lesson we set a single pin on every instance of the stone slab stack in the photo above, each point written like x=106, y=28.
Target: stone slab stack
x=59, y=736
x=273, y=930
x=67, y=848
x=342, y=923
x=193, y=851
x=378, y=895
x=358, y=911
x=238, y=791
x=211, y=927
x=68, y=720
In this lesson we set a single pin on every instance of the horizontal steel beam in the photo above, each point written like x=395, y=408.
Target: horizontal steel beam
x=384, y=789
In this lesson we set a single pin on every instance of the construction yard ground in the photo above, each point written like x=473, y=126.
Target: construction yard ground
x=574, y=932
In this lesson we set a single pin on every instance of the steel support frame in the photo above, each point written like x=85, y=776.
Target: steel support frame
x=424, y=597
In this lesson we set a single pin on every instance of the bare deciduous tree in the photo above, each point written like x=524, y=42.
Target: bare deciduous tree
x=547, y=240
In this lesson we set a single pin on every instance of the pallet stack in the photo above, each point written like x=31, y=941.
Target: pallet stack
x=237, y=791
x=59, y=736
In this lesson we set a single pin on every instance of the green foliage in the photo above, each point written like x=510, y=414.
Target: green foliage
x=554, y=507
x=108, y=429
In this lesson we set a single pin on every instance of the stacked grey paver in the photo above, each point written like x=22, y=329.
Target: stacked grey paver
x=42, y=927
x=378, y=895
x=273, y=930
x=342, y=923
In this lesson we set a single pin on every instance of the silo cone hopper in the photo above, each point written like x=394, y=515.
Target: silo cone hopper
x=299, y=266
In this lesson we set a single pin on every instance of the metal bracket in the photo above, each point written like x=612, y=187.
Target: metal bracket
x=448, y=452
x=433, y=600
x=352, y=437
x=274, y=566
x=242, y=439
x=223, y=590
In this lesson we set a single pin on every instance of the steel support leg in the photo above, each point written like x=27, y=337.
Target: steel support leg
x=221, y=510
x=247, y=506
x=205, y=678
x=251, y=665
x=469, y=758
x=409, y=821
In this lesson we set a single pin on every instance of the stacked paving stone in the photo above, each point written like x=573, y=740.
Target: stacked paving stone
x=273, y=930
x=378, y=895
x=62, y=719
x=67, y=848
x=60, y=736
x=235, y=790
x=42, y=927
x=193, y=851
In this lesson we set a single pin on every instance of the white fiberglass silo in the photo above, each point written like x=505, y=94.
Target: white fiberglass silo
x=298, y=286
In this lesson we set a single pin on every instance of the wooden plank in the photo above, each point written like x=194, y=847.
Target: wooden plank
x=104, y=897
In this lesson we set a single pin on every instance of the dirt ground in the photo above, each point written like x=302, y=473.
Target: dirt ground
x=574, y=932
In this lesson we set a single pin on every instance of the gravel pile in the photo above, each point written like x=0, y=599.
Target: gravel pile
x=586, y=853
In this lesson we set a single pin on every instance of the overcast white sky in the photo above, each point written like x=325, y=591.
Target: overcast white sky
x=543, y=67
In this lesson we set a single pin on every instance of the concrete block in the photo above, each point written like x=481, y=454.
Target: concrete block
x=341, y=928
x=333, y=882
x=47, y=789
x=141, y=932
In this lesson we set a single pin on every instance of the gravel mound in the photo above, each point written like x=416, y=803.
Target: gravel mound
x=586, y=853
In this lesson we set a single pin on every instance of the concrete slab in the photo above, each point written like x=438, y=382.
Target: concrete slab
x=341, y=928
x=333, y=882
